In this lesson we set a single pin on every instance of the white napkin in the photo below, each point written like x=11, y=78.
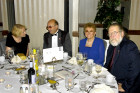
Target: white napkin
x=16, y=59
x=62, y=73
x=102, y=88
x=103, y=72
x=73, y=61
x=2, y=59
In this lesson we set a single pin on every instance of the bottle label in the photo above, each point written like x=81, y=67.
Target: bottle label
x=33, y=79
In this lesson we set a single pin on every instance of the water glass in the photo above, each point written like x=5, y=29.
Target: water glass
x=69, y=84
x=10, y=54
x=23, y=78
x=65, y=56
x=82, y=85
x=33, y=88
x=90, y=65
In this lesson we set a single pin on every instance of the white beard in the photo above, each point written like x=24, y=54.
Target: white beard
x=115, y=42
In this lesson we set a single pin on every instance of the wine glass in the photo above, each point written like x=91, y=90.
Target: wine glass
x=69, y=82
x=84, y=56
x=79, y=58
x=80, y=62
x=98, y=69
x=10, y=54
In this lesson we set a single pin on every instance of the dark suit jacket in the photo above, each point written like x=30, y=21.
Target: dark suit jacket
x=126, y=64
x=63, y=40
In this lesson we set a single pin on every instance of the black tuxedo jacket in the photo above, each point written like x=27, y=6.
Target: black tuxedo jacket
x=63, y=40
x=126, y=64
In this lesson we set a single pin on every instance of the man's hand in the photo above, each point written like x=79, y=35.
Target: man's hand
x=120, y=87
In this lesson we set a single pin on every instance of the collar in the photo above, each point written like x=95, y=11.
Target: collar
x=55, y=33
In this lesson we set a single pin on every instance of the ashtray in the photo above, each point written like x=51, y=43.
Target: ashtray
x=8, y=86
x=2, y=80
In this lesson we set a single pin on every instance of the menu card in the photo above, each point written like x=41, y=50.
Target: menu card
x=50, y=53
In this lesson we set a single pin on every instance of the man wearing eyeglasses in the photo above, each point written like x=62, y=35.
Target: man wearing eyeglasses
x=56, y=37
x=123, y=60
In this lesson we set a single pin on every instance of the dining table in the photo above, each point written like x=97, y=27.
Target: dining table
x=13, y=78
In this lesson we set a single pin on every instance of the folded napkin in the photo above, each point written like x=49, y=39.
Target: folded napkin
x=103, y=72
x=102, y=88
x=62, y=73
x=73, y=61
x=22, y=56
x=2, y=59
x=16, y=59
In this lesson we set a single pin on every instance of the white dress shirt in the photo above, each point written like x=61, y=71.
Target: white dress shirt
x=55, y=40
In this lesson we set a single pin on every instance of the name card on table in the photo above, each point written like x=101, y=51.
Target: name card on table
x=50, y=53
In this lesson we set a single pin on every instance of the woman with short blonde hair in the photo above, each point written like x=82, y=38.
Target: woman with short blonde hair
x=18, y=40
x=17, y=30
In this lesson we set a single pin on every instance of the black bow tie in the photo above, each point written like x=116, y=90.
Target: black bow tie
x=54, y=34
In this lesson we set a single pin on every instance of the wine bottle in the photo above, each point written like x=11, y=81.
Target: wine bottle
x=35, y=59
x=31, y=74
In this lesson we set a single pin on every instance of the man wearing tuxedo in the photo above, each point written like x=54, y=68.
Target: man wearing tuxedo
x=123, y=60
x=56, y=37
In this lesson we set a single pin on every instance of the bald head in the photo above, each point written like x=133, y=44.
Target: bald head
x=52, y=26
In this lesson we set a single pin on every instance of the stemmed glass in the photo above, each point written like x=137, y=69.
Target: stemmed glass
x=84, y=56
x=98, y=69
x=79, y=58
x=69, y=84
x=80, y=62
x=10, y=54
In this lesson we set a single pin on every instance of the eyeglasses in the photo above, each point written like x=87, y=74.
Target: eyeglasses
x=49, y=27
x=113, y=33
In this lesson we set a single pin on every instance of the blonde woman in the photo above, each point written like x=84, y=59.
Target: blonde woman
x=91, y=45
x=18, y=40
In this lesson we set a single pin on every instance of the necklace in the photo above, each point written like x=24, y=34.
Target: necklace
x=89, y=43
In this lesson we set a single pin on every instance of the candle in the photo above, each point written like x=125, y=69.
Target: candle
x=2, y=80
x=8, y=73
x=8, y=86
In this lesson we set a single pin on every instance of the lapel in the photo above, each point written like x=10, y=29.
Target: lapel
x=49, y=41
x=59, y=38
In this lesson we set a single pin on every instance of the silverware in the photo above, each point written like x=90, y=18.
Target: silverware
x=76, y=76
x=59, y=70
x=90, y=88
x=2, y=67
x=66, y=68
x=111, y=86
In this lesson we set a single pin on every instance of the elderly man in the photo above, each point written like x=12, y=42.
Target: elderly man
x=123, y=60
x=56, y=37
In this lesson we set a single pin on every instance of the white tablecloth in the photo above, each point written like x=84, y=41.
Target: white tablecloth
x=13, y=79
